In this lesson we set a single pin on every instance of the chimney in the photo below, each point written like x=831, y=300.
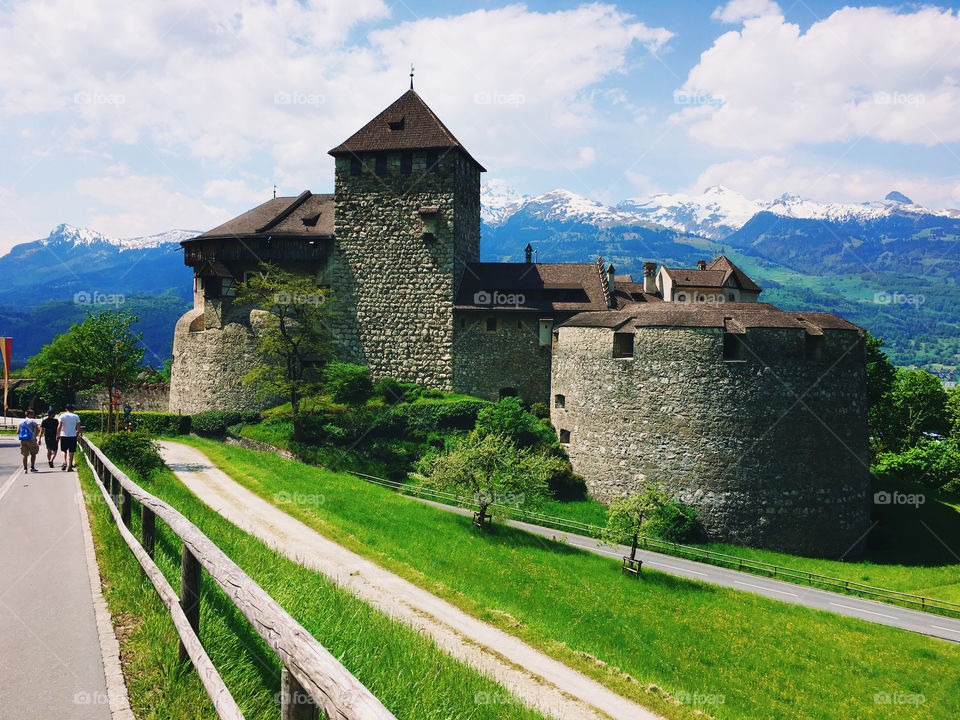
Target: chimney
x=529, y=252
x=650, y=278
x=610, y=276
x=701, y=264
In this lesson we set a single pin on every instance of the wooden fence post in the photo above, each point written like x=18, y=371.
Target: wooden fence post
x=189, y=595
x=125, y=506
x=148, y=524
x=295, y=702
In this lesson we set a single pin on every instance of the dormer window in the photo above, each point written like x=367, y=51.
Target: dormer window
x=396, y=125
x=311, y=221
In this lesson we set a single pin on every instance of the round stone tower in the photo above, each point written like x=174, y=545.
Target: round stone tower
x=754, y=416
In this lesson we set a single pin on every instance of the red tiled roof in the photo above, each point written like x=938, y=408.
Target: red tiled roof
x=306, y=215
x=407, y=124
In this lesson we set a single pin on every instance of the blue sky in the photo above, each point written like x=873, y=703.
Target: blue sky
x=134, y=118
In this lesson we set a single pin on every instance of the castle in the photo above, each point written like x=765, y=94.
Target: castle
x=683, y=379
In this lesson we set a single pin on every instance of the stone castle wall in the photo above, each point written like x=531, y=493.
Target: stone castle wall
x=394, y=288
x=511, y=358
x=773, y=450
x=148, y=397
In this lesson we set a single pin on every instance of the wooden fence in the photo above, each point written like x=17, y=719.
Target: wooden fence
x=312, y=680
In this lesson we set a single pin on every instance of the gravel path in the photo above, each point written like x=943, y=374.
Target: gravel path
x=536, y=679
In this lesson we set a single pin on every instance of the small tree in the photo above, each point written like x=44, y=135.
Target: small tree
x=293, y=342
x=99, y=353
x=882, y=420
x=921, y=404
x=492, y=470
x=629, y=515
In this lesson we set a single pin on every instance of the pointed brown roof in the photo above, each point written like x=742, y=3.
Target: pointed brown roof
x=307, y=214
x=407, y=124
x=718, y=274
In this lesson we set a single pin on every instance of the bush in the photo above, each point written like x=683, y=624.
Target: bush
x=673, y=522
x=540, y=410
x=930, y=463
x=348, y=383
x=154, y=423
x=508, y=417
x=214, y=423
x=432, y=393
x=250, y=417
x=136, y=450
x=566, y=485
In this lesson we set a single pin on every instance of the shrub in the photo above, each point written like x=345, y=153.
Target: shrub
x=154, y=423
x=432, y=393
x=348, y=383
x=674, y=522
x=566, y=485
x=250, y=417
x=211, y=423
x=508, y=417
x=930, y=463
x=136, y=450
x=539, y=410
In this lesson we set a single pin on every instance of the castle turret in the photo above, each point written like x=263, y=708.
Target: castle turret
x=407, y=223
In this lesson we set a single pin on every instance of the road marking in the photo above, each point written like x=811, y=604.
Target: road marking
x=940, y=627
x=678, y=569
x=9, y=483
x=764, y=587
x=869, y=612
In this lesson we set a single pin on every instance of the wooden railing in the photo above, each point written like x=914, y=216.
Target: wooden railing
x=312, y=680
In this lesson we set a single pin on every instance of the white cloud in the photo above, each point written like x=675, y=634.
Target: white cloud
x=861, y=72
x=739, y=10
x=128, y=205
x=236, y=192
x=770, y=176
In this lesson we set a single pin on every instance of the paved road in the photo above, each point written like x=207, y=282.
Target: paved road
x=875, y=612
x=51, y=665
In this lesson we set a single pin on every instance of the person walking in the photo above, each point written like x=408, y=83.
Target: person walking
x=48, y=431
x=27, y=435
x=68, y=430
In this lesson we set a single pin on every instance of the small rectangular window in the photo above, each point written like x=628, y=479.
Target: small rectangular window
x=406, y=162
x=732, y=347
x=463, y=323
x=356, y=167
x=491, y=324
x=623, y=345
x=381, y=165
x=814, y=348
x=565, y=437
x=519, y=324
x=559, y=401
x=432, y=161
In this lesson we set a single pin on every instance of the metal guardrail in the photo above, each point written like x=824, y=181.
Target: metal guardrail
x=778, y=572
x=312, y=679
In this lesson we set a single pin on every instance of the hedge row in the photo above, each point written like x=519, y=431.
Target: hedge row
x=155, y=423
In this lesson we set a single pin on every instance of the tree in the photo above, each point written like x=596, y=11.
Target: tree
x=629, y=515
x=953, y=413
x=507, y=417
x=492, y=470
x=292, y=339
x=921, y=406
x=884, y=426
x=99, y=353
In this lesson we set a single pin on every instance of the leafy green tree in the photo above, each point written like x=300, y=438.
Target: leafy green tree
x=882, y=419
x=509, y=418
x=934, y=464
x=629, y=516
x=292, y=339
x=491, y=469
x=99, y=353
x=348, y=383
x=953, y=413
x=921, y=406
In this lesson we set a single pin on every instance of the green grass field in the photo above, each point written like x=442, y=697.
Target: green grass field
x=764, y=658
x=402, y=668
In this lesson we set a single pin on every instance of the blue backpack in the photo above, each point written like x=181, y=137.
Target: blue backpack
x=26, y=431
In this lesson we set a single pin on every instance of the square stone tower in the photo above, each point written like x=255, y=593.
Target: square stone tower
x=407, y=222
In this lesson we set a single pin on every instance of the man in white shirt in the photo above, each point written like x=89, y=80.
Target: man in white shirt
x=68, y=432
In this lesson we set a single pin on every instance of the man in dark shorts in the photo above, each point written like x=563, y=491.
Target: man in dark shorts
x=48, y=431
x=27, y=435
x=68, y=431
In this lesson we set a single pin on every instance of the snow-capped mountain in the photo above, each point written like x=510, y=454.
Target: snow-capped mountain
x=64, y=235
x=716, y=214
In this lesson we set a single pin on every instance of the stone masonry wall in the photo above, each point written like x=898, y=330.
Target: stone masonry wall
x=773, y=450
x=395, y=289
x=484, y=363
x=150, y=397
